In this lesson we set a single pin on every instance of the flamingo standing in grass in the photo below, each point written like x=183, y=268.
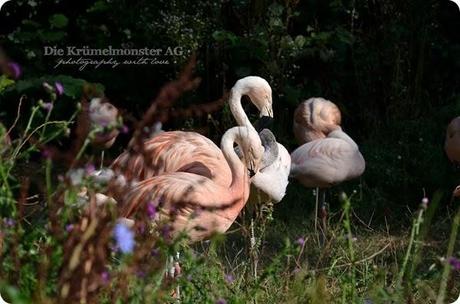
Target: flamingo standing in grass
x=170, y=152
x=452, y=143
x=196, y=204
x=329, y=160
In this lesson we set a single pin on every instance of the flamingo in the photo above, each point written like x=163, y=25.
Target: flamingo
x=273, y=176
x=313, y=118
x=171, y=151
x=165, y=152
x=330, y=159
x=196, y=204
x=452, y=143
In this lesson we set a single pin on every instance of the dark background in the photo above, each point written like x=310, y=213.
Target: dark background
x=392, y=67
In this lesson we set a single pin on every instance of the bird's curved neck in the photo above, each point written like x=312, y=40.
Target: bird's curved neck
x=236, y=166
x=338, y=133
x=237, y=109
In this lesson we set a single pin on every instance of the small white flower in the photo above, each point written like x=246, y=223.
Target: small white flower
x=102, y=114
x=103, y=176
x=76, y=176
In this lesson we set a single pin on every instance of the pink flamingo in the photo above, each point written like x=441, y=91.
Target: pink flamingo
x=313, y=119
x=273, y=176
x=165, y=152
x=194, y=203
x=328, y=160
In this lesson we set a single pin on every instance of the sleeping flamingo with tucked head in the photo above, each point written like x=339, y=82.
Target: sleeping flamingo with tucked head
x=330, y=159
x=313, y=119
x=196, y=204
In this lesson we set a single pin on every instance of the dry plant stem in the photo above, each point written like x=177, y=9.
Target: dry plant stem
x=47, y=118
x=18, y=114
x=316, y=209
x=450, y=251
x=18, y=149
x=355, y=263
x=29, y=123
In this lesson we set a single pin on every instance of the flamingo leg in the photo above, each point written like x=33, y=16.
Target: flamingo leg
x=323, y=212
x=316, y=208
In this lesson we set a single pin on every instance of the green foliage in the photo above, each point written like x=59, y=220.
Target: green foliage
x=58, y=21
x=5, y=82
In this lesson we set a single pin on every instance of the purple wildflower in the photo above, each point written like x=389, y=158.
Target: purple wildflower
x=59, y=88
x=15, y=70
x=166, y=231
x=124, y=238
x=90, y=169
x=155, y=252
x=9, y=222
x=151, y=210
x=140, y=274
x=455, y=263
x=124, y=129
x=300, y=241
x=221, y=301
x=69, y=227
x=229, y=278
x=48, y=106
x=105, y=276
x=189, y=277
x=46, y=153
x=141, y=228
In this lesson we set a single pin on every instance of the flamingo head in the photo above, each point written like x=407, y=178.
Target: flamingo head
x=252, y=150
x=260, y=93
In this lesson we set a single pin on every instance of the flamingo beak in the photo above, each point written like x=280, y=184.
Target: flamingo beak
x=253, y=168
x=266, y=111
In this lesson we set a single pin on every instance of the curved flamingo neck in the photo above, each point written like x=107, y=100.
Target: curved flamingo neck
x=236, y=108
x=236, y=166
x=338, y=133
